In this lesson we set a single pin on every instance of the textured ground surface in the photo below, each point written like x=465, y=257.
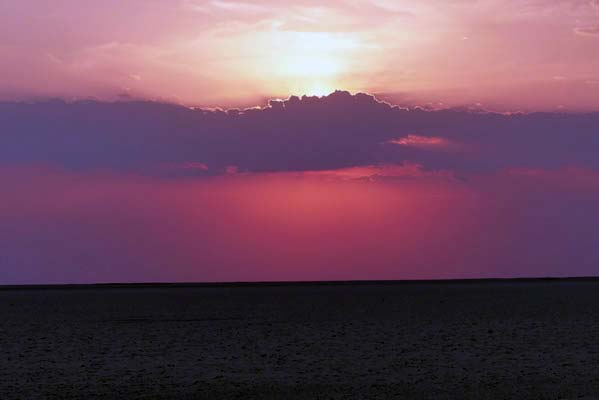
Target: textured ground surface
x=535, y=340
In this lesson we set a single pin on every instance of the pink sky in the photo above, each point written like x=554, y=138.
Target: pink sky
x=525, y=54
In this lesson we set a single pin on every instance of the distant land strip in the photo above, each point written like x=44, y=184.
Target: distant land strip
x=150, y=285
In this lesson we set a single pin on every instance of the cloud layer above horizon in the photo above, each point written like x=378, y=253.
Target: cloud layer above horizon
x=298, y=134
x=338, y=187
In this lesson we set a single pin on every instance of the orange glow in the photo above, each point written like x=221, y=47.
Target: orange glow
x=374, y=172
x=421, y=141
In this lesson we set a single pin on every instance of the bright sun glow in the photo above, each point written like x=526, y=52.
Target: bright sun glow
x=311, y=66
x=310, y=63
x=312, y=54
x=317, y=90
x=312, y=86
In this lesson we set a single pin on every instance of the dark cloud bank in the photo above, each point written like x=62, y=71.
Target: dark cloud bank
x=297, y=134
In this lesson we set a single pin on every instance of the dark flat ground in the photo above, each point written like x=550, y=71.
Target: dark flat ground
x=480, y=340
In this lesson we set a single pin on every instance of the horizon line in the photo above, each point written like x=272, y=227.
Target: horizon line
x=232, y=284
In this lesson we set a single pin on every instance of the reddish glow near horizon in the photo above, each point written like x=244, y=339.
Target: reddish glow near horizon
x=515, y=54
x=308, y=226
x=262, y=227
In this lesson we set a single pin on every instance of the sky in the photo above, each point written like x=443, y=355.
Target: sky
x=503, y=55
x=211, y=141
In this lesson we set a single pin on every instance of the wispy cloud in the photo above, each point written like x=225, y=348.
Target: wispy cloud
x=431, y=142
x=587, y=31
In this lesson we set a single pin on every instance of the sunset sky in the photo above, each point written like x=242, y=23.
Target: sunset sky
x=516, y=55
x=213, y=140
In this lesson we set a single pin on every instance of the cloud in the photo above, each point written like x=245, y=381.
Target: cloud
x=405, y=171
x=297, y=134
x=430, y=142
x=184, y=169
x=587, y=31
